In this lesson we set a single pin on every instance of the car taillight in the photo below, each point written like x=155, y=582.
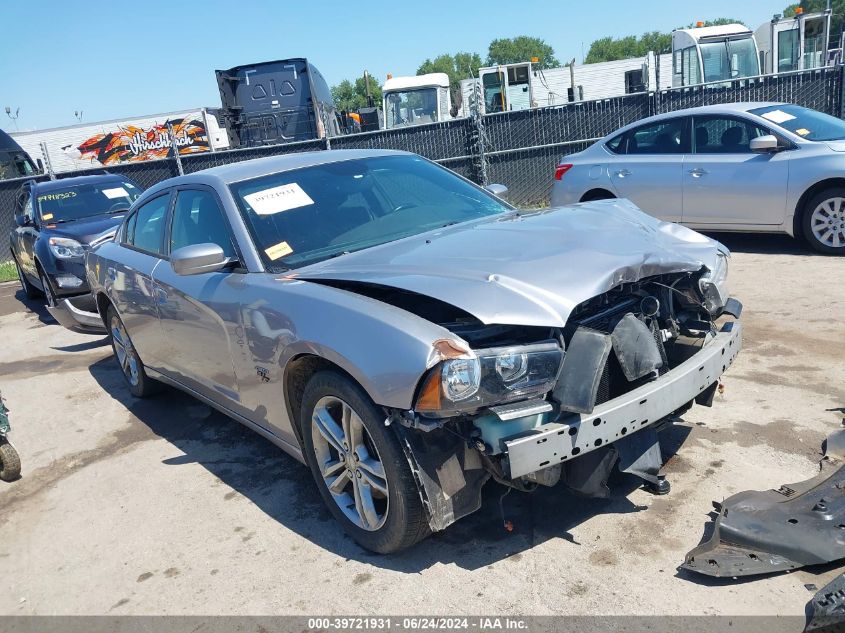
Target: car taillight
x=562, y=169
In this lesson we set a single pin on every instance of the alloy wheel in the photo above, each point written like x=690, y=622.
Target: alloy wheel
x=349, y=463
x=827, y=222
x=124, y=351
x=48, y=291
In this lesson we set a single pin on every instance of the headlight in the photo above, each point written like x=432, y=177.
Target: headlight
x=713, y=285
x=490, y=376
x=65, y=248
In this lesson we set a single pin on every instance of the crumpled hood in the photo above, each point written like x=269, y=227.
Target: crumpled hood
x=531, y=269
x=86, y=230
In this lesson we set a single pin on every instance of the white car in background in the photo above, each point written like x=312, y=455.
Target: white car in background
x=749, y=167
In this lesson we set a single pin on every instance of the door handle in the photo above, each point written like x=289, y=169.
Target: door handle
x=622, y=173
x=698, y=172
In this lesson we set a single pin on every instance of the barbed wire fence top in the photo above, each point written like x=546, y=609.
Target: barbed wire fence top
x=519, y=149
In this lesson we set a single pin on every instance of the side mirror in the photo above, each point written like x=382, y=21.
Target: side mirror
x=764, y=144
x=500, y=191
x=40, y=164
x=197, y=259
x=22, y=220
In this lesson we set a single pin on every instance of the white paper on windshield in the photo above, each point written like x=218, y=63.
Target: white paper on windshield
x=116, y=192
x=777, y=116
x=278, y=199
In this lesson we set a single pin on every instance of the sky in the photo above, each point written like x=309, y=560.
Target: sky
x=121, y=59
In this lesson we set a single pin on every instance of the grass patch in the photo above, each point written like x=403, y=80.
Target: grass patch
x=8, y=272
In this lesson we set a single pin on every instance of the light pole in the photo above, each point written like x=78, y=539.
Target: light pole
x=78, y=115
x=14, y=116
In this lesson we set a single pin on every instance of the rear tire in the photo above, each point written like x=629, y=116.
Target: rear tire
x=10, y=462
x=823, y=221
x=131, y=367
x=347, y=446
x=30, y=291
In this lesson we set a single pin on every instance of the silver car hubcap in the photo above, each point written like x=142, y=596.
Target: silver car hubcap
x=48, y=293
x=828, y=222
x=124, y=351
x=349, y=463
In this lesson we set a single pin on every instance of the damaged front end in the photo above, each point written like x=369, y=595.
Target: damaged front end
x=779, y=530
x=533, y=406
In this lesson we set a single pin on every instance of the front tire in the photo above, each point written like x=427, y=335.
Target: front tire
x=359, y=466
x=823, y=221
x=10, y=462
x=30, y=291
x=140, y=385
x=49, y=295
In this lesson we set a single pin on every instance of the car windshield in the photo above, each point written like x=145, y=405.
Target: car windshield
x=809, y=124
x=411, y=107
x=729, y=59
x=302, y=216
x=66, y=204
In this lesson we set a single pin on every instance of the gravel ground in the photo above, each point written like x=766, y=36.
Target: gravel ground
x=163, y=506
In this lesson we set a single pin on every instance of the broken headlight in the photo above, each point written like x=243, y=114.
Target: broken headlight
x=488, y=377
x=713, y=285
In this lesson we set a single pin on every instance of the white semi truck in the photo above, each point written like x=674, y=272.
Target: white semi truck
x=799, y=42
x=416, y=100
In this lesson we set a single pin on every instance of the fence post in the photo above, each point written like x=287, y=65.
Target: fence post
x=841, y=78
x=47, y=162
x=175, y=149
x=477, y=140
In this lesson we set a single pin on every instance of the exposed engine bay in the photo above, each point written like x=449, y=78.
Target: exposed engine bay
x=531, y=406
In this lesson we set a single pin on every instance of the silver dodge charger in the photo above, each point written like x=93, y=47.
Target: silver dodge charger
x=410, y=335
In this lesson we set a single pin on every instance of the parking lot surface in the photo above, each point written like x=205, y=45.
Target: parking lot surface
x=163, y=506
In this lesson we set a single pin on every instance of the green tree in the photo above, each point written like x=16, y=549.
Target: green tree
x=350, y=96
x=813, y=6
x=521, y=49
x=610, y=48
x=458, y=66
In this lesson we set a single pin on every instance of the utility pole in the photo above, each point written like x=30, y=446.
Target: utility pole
x=78, y=115
x=367, y=87
x=14, y=116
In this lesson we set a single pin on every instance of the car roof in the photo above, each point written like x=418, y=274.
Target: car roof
x=720, y=108
x=74, y=181
x=257, y=167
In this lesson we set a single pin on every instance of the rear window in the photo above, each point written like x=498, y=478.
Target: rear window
x=615, y=144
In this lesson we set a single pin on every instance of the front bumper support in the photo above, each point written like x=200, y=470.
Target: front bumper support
x=576, y=434
x=76, y=320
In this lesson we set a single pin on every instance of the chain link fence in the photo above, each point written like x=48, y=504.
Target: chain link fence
x=519, y=149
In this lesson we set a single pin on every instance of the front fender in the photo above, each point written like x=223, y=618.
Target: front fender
x=384, y=348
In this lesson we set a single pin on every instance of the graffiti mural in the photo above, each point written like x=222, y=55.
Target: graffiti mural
x=132, y=144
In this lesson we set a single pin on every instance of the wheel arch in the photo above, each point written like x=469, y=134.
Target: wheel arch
x=800, y=207
x=298, y=371
x=103, y=302
x=597, y=193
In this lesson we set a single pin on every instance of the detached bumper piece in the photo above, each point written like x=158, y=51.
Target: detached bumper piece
x=778, y=530
x=827, y=608
x=75, y=317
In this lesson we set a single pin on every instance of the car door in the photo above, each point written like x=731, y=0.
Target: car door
x=725, y=182
x=198, y=317
x=129, y=278
x=25, y=236
x=647, y=169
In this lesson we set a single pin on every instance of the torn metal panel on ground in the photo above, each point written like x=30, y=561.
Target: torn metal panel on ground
x=776, y=530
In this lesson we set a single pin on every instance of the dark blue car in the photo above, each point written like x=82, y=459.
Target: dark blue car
x=56, y=223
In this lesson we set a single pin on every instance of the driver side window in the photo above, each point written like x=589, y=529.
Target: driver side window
x=197, y=219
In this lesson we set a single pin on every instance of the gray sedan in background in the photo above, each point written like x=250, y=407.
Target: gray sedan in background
x=751, y=167
x=410, y=335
